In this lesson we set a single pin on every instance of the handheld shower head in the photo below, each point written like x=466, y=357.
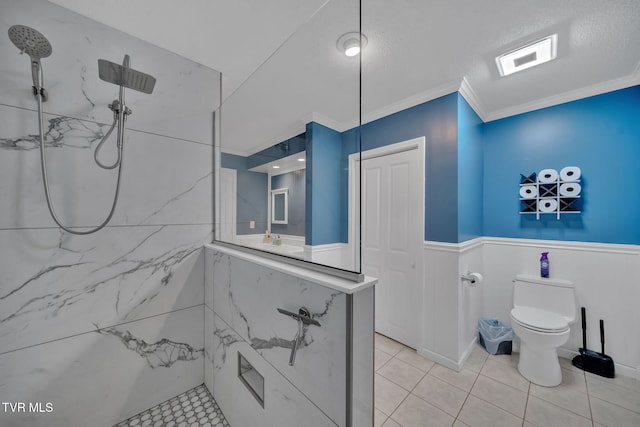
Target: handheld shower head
x=34, y=44
x=30, y=41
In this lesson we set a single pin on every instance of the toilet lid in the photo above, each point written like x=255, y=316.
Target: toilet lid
x=539, y=319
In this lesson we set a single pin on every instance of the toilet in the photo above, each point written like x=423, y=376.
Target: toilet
x=542, y=311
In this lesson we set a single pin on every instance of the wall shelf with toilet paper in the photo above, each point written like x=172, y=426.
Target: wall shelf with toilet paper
x=550, y=192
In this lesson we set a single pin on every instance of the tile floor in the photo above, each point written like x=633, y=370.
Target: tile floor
x=193, y=408
x=413, y=391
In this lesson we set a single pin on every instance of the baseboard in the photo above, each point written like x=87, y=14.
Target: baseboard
x=467, y=352
x=621, y=370
x=438, y=358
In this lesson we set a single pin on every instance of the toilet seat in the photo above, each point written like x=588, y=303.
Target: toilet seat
x=539, y=320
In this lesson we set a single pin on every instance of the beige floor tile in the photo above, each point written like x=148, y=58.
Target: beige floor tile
x=478, y=413
x=459, y=423
x=566, y=364
x=379, y=417
x=476, y=359
x=391, y=423
x=565, y=397
x=412, y=357
x=387, y=395
x=380, y=358
x=620, y=381
x=545, y=414
x=574, y=379
x=388, y=345
x=503, y=396
x=401, y=373
x=505, y=373
x=510, y=359
x=416, y=412
x=611, y=415
x=441, y=394
x=463, y=379
x=612, y=393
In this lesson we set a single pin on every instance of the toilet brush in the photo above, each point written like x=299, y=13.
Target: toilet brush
x=592, y=361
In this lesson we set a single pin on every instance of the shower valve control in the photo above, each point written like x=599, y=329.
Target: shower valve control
x=115, y=107
x=304, y=318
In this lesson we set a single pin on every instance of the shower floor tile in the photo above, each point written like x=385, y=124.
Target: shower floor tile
x=193, y=408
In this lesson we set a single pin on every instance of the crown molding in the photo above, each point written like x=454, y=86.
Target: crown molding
x=473, y=99
x=324, y=121
x=403, y=104
x=572, y=95
x=636, y=73
x=468, y=93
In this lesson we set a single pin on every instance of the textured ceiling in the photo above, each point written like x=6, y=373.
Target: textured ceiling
x=417, y=50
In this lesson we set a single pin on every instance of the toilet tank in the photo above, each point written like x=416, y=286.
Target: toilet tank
x=556, y=295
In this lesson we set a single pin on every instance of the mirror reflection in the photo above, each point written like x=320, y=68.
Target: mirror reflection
x=285, y=139
x=279, y=206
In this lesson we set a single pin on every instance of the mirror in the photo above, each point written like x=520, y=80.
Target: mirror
x=285, y=136
x=279, y=206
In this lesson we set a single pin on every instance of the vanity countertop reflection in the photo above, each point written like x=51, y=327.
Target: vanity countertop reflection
x=283, y=249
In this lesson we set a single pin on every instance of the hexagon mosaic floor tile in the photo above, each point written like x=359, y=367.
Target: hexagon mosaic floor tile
x=193, y=408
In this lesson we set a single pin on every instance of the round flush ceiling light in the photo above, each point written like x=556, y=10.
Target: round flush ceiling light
x=349, y=43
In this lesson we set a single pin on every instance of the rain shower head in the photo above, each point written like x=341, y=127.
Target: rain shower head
x=30, y=41
x=122, y=75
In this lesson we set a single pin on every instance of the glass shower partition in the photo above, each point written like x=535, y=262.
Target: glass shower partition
x=283, y=140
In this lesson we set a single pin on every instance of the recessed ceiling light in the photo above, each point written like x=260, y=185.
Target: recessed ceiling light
x=301, y=160
x=275, y=167
x=351, y=43
x=528, y=56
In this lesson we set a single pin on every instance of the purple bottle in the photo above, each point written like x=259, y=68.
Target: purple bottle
x=544, y=265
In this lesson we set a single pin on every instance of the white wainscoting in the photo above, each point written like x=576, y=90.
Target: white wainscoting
x=450, y=308
x=605, y=277
x=337, y=255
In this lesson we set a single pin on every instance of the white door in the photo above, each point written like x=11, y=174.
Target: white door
x=228, y=183
x=392, y=237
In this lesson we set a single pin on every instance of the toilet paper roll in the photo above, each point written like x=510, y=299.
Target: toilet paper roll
x=570, y=189
x=570, y=173
x=476, y=279
x=547, y=205
x=473, y=278
x=528, y=191
x=548, y=175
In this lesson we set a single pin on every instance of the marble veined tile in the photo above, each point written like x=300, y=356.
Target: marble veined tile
x=164, y=180
x=284, y=404
x=54, y=285
x=246, y=296
x=100, y=378
x=185, y=92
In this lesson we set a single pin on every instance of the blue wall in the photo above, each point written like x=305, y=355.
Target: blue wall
x=470, y=172
x=294, y=181
x=437, y=120
x=251, y=195
x=323, y=206
x=601, y=135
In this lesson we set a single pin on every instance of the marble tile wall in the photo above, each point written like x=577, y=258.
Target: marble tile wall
x=242, y=315
x=104, y=376
x=106, y=325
